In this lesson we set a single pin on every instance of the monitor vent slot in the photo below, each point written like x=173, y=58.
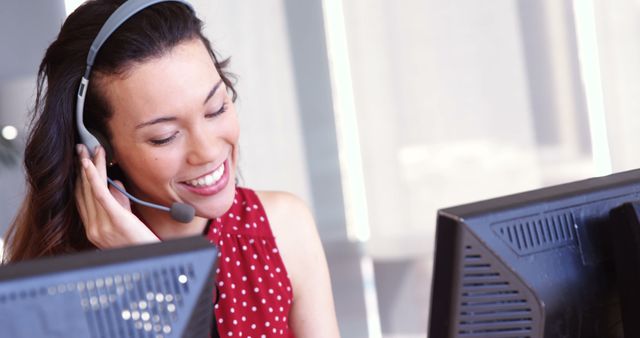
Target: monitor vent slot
x=491, y=305
x=538, y=233
x=140, y=304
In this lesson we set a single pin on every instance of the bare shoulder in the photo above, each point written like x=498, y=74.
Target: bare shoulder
x=295, y=230
x=281, y=200
x=292, y=223
x=287, y=212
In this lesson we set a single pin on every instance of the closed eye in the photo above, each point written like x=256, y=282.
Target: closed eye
x=218, y=112
x=160, y=142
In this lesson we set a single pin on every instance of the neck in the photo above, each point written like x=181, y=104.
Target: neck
x=165, y=227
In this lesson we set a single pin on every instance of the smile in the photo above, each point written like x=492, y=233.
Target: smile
x=209, y=179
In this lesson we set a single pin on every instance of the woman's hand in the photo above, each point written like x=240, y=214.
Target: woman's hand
x=106, y=212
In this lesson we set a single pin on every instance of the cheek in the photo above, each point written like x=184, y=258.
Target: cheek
x=234, y=131
x=231, y=123
x=148, y=170
x=236, y=136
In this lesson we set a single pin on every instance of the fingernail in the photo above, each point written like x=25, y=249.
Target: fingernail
x=85, y=163
x=78, y=149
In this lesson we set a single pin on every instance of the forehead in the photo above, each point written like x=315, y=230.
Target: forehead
x=177, y=81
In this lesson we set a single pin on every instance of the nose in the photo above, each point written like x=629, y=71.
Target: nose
x=202, y=147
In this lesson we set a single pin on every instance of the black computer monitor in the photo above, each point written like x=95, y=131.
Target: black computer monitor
x=154, y=290
x=626, y=236
x=534, y=264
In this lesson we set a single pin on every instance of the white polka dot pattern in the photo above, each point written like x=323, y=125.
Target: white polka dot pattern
x=254, y=289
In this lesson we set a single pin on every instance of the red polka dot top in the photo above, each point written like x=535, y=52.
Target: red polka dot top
x=254, y=290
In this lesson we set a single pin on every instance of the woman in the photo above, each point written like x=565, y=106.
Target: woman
x=165, y=107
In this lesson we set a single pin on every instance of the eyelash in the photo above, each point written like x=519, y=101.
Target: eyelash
x=170, y=138
x=164, y=140
x=220, y=111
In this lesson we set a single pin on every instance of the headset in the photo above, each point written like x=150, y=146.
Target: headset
x=180, y=212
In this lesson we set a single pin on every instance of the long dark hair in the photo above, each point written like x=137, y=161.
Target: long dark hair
x=48, y=222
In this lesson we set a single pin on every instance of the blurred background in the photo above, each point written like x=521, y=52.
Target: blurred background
x=378, y=113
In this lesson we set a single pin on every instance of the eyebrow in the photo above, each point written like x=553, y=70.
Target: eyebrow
x=171, y=118
x=213, y=91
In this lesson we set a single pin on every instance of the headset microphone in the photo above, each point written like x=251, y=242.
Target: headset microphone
x=180, y=212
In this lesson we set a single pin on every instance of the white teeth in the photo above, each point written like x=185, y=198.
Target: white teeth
x=218, y=173
x=208, y=180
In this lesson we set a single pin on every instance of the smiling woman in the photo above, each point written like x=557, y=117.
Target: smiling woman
x=163, y=109
x=181, y=123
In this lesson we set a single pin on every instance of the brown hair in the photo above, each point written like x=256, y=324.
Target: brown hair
x=48, y=222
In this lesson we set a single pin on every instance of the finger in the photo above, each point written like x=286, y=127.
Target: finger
x=90, y=220
x=79, y=189
x=87, y=190
x=79, y=196
x=100, y=162
x=99, y=223
x=119, y=196
x=83, y=152
x=98, y=186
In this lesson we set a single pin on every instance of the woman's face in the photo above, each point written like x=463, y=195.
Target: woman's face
x=174, y=130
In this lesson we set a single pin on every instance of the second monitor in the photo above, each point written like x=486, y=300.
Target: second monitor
x=535, y=264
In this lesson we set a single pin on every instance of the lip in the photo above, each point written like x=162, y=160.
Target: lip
x=207, y=173
x=213, y=189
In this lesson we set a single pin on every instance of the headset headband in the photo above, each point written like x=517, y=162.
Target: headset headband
x=117, y=18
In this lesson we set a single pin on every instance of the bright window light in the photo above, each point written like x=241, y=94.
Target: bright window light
x=71, y=5
x=590, y=70
x=9, y=132
x=348, y=137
